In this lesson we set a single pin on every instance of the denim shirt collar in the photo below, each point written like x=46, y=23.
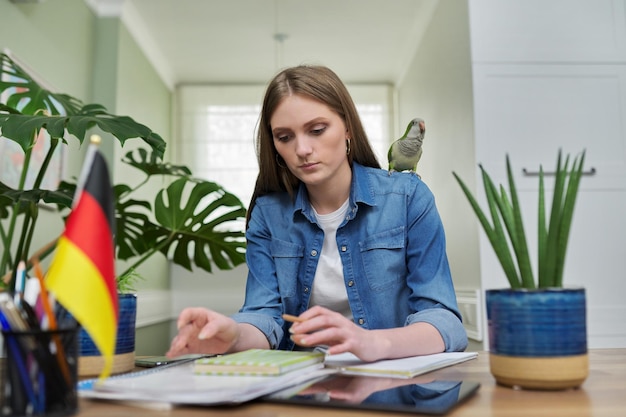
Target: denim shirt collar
x=360, y=192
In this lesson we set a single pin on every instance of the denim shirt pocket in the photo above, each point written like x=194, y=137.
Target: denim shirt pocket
x=384, y=259
x=287, y=258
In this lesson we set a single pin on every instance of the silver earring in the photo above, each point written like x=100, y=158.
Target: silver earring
x=280, y=162
x=347, y=146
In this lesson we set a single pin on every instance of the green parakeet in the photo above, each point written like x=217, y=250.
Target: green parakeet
x=405, y=153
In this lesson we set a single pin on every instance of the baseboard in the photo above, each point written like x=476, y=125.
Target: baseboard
x=470, y=306
x=605, y=325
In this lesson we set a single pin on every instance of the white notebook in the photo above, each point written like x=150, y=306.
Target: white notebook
x=347, y=363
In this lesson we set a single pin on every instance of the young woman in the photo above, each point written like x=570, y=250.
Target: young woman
x=358, y=254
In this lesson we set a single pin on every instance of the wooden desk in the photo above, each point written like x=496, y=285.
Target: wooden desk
x=602, y=394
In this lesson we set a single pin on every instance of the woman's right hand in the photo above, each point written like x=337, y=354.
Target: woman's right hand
x=201, y=330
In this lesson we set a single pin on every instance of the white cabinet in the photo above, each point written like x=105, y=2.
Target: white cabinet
x=548, y=76
x=532, y=111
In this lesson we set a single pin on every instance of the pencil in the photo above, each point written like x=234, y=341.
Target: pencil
x=52, y=323
x=292, y=319
x=45, y=301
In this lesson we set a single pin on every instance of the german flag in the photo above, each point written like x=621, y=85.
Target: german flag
x=82, y=273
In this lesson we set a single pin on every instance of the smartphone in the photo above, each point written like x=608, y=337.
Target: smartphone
x=152, y=361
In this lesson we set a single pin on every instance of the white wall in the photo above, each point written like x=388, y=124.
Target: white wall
x=551, y=75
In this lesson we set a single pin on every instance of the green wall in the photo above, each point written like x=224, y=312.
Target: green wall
x=59, y=52
x=141, y=94
x=96, y=60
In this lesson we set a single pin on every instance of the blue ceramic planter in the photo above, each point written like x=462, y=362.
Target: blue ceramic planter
x=538, y=338
x=544, y=322
x=91, y=362
x=125, y=329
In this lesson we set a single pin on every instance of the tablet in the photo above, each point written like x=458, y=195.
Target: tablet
x=415, y=396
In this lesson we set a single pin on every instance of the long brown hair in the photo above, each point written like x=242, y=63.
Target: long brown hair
x=321, y=84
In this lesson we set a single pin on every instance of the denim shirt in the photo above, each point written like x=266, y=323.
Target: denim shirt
x=392, y=247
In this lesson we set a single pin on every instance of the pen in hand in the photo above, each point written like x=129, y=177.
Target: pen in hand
x=293, y=319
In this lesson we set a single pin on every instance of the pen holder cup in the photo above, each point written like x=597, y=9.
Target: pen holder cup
x=39, y=374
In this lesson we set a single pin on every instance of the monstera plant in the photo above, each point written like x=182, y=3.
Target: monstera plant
x=191, y=221
x=195, y=221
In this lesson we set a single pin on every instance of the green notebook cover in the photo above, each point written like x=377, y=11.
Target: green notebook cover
x=257, y=362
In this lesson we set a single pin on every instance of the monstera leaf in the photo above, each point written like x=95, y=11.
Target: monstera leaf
x=131, y=220
x=199, y=219
x=19, y=198
x=132, y=216
x=29, y=95
x=29, y=107
x=190, y=221
x=151, y=164
x=21, y=128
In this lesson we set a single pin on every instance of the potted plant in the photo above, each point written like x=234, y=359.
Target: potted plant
x=191, y=221
x=537, y=328
x=195, y=223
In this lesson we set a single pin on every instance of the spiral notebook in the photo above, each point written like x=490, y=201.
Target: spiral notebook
x=257, y=362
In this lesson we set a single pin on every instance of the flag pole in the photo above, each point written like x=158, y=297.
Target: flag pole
x=94, y=144
x=82, y=273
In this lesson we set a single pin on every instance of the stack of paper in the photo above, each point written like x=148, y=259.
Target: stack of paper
x=178, y=384
x=196, y=382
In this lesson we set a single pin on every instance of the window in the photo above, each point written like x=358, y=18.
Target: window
x=218, y=125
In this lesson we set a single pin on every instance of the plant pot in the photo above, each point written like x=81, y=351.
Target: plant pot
x=538, y=338
x=91, y=362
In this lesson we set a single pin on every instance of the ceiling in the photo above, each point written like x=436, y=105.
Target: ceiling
x=235, y=41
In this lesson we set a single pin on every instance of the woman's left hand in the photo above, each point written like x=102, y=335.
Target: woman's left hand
x=322, y=326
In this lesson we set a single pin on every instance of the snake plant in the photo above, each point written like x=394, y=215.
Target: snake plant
x=505, y=228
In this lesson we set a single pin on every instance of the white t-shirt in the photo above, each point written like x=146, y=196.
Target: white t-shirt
x=329, y=289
